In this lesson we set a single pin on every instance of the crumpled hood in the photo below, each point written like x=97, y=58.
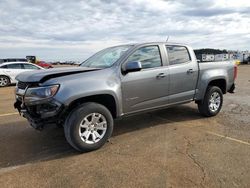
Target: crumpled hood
x=43, y=75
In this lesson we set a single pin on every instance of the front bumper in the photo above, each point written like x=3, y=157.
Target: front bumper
x=47, y=112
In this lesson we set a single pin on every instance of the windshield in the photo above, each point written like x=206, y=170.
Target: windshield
x=105, y=58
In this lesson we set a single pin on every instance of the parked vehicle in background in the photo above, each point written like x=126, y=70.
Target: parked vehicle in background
x=33, y=59
x=55, y=63
x=77, y=63
x=237, y=62
x=9, y=70
x=13, y=60
x=44, y=64
x=120, y=81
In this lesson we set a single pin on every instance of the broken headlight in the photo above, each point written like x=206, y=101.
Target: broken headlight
x=40, y=93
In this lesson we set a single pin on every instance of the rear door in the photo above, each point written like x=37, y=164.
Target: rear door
x=147, y=88
x=183, y=74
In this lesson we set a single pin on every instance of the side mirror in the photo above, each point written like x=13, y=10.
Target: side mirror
x=132, y=67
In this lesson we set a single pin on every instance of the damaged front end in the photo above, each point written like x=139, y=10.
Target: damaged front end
x=37, y=105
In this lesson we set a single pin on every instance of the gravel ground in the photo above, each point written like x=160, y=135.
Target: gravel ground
x=175, y=147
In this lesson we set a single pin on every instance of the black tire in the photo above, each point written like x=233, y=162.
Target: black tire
x=5, y=81
x=203, y=105
x=73, y=121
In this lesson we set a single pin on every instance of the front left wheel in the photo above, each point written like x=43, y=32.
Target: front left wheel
x=88, y=127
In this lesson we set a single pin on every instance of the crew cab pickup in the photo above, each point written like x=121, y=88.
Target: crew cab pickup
x=120, y=81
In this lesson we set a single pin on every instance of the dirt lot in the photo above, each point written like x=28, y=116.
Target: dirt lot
x=175, y=147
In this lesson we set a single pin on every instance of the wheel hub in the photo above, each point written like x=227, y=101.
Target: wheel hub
x=214, y=101
x=93, y=128
x=3, y=81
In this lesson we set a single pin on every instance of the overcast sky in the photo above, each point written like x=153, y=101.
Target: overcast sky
x=74, y=29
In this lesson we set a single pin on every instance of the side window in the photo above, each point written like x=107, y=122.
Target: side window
x=14, y=66
x=177, y=54
x=29, y=66
x=149, y=57
x=4, y=67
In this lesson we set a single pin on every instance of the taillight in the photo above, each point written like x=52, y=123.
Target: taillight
x=235, y=71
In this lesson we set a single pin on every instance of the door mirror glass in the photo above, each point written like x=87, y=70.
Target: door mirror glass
x=132, y=66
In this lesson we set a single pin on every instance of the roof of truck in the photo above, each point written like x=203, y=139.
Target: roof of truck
x=152, y=43
x=170, y=43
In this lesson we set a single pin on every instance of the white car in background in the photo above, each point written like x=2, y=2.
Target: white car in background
x=9, y=71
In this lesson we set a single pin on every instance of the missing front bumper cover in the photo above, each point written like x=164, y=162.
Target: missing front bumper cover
x=40, y=115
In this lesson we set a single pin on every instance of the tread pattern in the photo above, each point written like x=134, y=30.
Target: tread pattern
x=203, y=105
x=73, y=119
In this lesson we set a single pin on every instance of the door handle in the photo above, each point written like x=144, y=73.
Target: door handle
x=161, y=75
x=190, y=71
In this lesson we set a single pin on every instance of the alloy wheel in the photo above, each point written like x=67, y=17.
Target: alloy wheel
x=92, y=128
x=214, y=102
x=3, y=81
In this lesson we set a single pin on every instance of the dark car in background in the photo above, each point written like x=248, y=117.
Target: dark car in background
x=13, y=60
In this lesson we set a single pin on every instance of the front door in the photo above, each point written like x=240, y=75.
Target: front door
x=12, y=70
x=147, y=88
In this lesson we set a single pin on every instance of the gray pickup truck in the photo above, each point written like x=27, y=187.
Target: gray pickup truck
x=120, y=81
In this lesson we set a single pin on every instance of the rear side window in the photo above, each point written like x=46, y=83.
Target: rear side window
x=14, y=66
x=29, y=66
x=149, y=57
x=177, y=55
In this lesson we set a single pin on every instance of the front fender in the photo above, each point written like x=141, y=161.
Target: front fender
x=85, y=85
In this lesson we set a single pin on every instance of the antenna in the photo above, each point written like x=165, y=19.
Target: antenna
x=167, y=38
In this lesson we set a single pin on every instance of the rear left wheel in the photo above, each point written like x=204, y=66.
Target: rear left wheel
x=88, y=127
x=4, y=81
x=212, y=102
